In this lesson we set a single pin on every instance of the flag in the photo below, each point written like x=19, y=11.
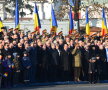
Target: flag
x=87, y=23
x=37, y=24
x=53, y=22
x=17, y=25
x=104, y=23
x=5, y=74
x=1, y=24
x=71, y=24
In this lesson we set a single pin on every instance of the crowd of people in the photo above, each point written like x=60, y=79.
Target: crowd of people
x=31, y=58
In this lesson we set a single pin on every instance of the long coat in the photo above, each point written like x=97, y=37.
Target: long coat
x=65, y=60
x=1, y=68
x=77, y=58
x=56, y=57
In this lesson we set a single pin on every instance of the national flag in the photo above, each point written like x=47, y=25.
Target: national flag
x=1, y=24
x=37, y=24
x=5, y=74
x=104, y=23
x=53, y=22
x=71, y=24
x=87, y=23
x=17, y=25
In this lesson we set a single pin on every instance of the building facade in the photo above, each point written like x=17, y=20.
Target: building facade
x=2, y=9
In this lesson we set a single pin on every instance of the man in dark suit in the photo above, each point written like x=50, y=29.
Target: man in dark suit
x=1, y=70
x=33, y=57
x=65, y=62
x=56, y=55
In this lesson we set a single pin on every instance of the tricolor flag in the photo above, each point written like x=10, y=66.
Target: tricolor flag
x=37, y=24
x=87, y=23
x=53, y=22
x=104, y=23
x=1, y=24
x=17, y=25
x=5, y=74
x=71, y=24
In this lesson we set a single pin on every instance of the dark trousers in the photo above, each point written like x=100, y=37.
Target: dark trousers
x=33, y=74
x=16, y=78
x=66, y=76
x=92, y=78
x=77, y=72
x=26, y=75
x=0, y=81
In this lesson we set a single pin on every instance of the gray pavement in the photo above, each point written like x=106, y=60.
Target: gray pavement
x=66, y=87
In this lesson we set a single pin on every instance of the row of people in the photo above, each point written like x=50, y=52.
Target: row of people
x=35, y=58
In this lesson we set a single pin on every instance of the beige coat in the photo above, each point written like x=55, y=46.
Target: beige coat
x=77, y=58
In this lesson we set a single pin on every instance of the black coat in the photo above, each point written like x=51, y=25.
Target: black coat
x=49, y=52
x=2, y=51
x=65, y=60
x=102, y=54
x=33, y=55
x=44, y=59
x=39, y=55
x=1, y=68
x=15, y=49
x=7, y=51
x=20, y=51
x=26, y=62
x=93, y=53
x=56, y=55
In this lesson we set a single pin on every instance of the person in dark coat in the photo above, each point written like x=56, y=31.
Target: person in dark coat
x=106, y=62
x=1, y=49
x=101, y=63
x=65, y=63
x=17, y=70
x=18, y=54
x=56, y=55
x=61, y=44
x=86, y=62
x=44, y=65
x=53, y=63
x=26, y=63
x=98, y=37
x=15, y=47
x=49, y=51
x=20, y=50
x=6, y=50
x=39, y=61
x=1, y=69
x=33, y=57
x=92, y=70
x=8, y=67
